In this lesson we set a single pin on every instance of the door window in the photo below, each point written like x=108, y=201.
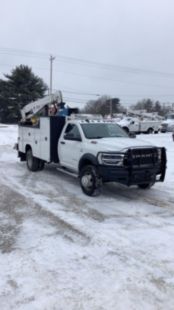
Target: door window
x=72, y=133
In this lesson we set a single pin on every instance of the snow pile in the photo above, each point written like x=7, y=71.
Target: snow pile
x=60, y=249
x=8, y=134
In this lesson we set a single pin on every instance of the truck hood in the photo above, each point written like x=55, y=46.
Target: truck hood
x=168, y=122
x=123, y=123
x=117, y=144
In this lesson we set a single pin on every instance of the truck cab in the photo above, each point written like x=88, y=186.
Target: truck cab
x=168, y=124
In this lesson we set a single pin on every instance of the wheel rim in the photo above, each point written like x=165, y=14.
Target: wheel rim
x=87, y=181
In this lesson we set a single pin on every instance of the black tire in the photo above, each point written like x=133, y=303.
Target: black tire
x=41, y=164
x=150, y=130
x=90, y=181
x=145, y=185
x=32, y=162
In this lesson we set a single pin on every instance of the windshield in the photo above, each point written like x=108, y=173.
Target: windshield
x=102, y=130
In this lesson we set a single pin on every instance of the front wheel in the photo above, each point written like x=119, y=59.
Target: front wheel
x=145, y=185
x=90, y=181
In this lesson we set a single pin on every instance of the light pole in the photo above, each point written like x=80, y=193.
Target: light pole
x=110, y=108
x=112, y=101
x=51, y=73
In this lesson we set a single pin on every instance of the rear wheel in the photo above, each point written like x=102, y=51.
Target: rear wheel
x=145, y=185
x=150, y=130
x=32, y=162
x=41, y=164
x=90, y=181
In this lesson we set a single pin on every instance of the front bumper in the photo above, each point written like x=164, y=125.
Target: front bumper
x=130, y=176
x=134, y=174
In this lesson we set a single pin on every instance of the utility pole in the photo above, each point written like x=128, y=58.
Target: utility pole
x=112, y=101
x=51, y=73
x=110, y=108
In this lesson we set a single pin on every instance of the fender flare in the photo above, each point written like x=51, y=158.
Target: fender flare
x=87, y=159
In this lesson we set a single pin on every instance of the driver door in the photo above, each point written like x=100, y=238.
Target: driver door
x=134, y=126
x=70, y=147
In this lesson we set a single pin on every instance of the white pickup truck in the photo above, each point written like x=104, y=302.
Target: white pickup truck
x=134, y=124
x=96, y=151
x=168, y=124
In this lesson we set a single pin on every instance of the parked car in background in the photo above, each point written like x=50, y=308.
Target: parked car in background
x=168, y=124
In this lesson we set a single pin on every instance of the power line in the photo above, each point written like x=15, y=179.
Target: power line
x=94, y=94
x=80, y=93
x=99, y=77
x=73, y=60
x=94, y=77
x=72, y=98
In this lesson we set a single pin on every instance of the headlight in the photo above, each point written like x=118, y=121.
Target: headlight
x=113, y=159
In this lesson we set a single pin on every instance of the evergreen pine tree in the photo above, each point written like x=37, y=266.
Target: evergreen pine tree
x=20, y=87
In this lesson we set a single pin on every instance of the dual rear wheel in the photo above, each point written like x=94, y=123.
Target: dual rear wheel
x=33, y=163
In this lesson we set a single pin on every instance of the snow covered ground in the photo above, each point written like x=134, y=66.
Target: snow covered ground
x=60, y=249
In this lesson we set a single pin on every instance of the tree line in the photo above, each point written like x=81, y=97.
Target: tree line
x=102, y=106
x=23, y=86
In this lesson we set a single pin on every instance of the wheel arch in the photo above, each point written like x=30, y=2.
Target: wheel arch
x=28, y=147
x=87, y=159
x=125, y=128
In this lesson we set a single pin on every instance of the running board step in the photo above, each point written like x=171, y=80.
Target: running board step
x=73, y=174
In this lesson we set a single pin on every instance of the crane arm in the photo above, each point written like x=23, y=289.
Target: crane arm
x=34, y=107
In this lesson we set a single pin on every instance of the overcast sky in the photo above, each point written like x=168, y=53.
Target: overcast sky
x=122, y=48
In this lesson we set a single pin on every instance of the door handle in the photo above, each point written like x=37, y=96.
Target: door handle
x=62, y=142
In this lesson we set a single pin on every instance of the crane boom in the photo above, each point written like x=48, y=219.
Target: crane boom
x=34, y=107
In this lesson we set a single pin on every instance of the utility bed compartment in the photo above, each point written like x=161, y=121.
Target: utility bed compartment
x=42, y=138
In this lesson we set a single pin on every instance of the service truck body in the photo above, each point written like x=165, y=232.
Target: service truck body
x=137, y=125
